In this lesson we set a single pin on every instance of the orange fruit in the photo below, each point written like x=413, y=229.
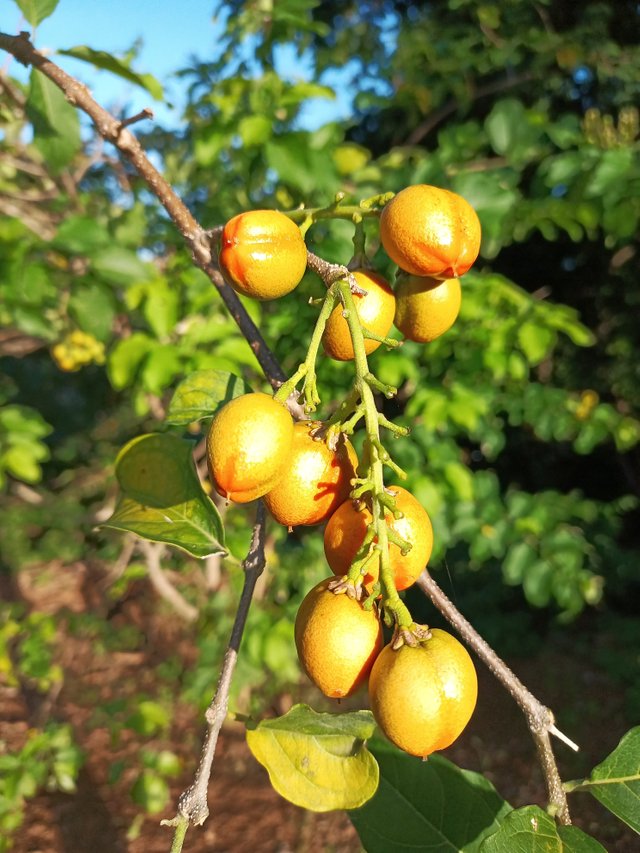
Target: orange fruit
x=347, y=527
x=263, y=254
x=316, y=479
x=429, y=231
x=422, y=697
x=375, y=311
x=426, y=307
x=337, y=640
x=248, y=446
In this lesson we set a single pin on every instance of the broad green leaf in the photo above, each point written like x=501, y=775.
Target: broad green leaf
x=36, y=11
x=161, y=366
x=56, y=127
x=150, y=791
x=511, y=130
x=108, y=62
x=532, y=830
x=517, y=562
x=318, y=761
x=202, y=393
x=125, y=358
x=535, y=341
x=161, y=307
x=616, y=782
x=93, y=306
x=120, y=266
x=162, y=497
x=255, y=129
x=297, y=162
x=81, y=235
x=427, y=805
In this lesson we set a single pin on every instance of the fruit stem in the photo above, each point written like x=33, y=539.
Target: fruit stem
x=308, y=368
x=391, y=599
x=333, y=211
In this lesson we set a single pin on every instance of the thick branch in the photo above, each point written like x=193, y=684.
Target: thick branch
x=194, y=235
x=539, y=718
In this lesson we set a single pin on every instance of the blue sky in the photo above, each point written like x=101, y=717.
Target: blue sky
x=171, y=32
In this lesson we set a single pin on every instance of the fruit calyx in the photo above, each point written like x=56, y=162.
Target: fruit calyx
x=412, y=635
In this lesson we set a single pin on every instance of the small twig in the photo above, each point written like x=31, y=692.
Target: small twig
x=144, y=113
x=153, y=554
x=539, y=718
x=192, y=805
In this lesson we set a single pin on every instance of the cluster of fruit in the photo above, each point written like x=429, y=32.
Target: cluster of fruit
x=422, y=693
x=77, y=350
x=432, y=234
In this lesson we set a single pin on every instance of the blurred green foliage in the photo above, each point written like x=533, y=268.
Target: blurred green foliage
x=525, y=416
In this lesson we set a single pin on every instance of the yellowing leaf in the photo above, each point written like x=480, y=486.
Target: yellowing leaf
x=318, y=761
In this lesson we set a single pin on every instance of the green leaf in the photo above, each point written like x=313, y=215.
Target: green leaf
x=56, y=127
x=93, y=308
x=535, y=341
x=202, y=393
x=36, y=11
x=318, y=761
x=616, y=782
x=255, y=129
x=297, y=162
x=125, y=358
x=162, y=496
x=120, y=266
x=517, y=562
x=531, y=830
x=510, y=130
x=150, y=718
x=81, y=235
x=430, y=805
x=150, y=791
x=108, y=62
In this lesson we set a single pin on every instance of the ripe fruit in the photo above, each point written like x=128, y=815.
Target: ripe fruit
x=426, y=307
x=248, y=446
x=316, y=479
x=347, y=527
x=375, y=311
x=263, y=254
x=422, y=697
x=429, y=231
x=337, y=640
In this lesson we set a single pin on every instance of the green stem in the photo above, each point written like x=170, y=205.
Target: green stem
x=347, y=211
x=391, y=599
x=181, y=827
x=308, y=368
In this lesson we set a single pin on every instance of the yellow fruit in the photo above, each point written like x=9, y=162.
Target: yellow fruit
x=375, y=311
x=429, y=231
x=337, y=640
x=248, y=446
x=426, y=307
x=263, y=254
x=423, y=697
x=316, y=479
x=347, y=527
